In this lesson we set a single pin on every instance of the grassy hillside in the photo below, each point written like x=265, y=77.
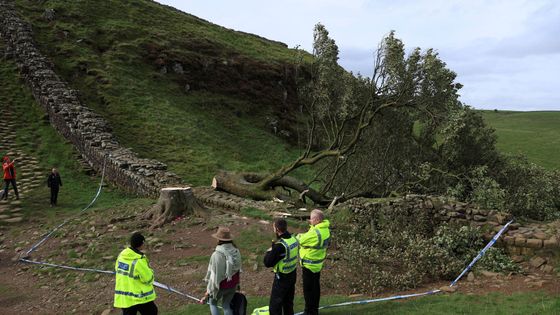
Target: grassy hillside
x=535, y=134
x=112, y=51
x=36, y=137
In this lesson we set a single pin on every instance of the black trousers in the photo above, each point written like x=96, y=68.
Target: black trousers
x=311, y=291
x=54, y=195
x=6, y=185
x=149, y=308
x=282, y=295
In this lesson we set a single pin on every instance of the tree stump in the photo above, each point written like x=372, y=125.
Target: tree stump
x=172, y=203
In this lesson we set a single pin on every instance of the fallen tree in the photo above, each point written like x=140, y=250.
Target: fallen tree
x=340, y=110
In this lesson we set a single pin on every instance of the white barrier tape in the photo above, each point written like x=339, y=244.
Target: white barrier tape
x=170, y=289
x=66, y=267
x=481, y=253
x=398, y=297
x=157, y=284
x=48, y=235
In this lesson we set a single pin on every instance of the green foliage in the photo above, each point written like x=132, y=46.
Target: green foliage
x=480, y=188
x=467, y=142
x=531, y=190
x=399, y=247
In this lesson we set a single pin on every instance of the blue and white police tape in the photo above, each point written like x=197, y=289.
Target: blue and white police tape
x=43, y=263
x=49, y=234
x=157, y=284
x=398, y=297
x=481, y=253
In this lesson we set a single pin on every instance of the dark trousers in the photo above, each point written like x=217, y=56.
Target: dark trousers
x=282, y=295
x=149, y=308
x=6, y=185
x=311, y=291
x=54, y=195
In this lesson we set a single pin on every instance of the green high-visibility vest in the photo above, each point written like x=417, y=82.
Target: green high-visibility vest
x=133, y=280
x=289, y=263
x=313, y=246
x=261, y=311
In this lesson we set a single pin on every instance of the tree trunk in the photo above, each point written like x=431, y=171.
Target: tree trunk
x=172, y=203
x=249, y=185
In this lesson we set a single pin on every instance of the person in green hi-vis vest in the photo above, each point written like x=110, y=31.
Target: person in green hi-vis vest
x=282, y=257
x=312, y=252
x=134, y=281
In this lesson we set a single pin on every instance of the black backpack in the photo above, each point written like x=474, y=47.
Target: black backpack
x=239, y=304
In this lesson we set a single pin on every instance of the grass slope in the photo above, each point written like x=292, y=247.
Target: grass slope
x=498, y=304
x=36, y=137
x=197, y=133
x=535, y=134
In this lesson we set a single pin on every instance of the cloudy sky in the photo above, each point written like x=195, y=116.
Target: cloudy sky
x=505, y=52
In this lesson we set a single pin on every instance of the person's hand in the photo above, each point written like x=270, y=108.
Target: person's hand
x=204, y=298
x=269, y=249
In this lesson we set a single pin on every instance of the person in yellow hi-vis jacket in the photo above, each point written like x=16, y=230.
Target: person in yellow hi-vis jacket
x=312, y=252
x=134, y=281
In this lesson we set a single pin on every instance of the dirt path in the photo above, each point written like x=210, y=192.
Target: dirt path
x=178, y=253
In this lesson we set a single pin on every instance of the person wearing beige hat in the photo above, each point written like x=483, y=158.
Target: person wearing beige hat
x=223, y=272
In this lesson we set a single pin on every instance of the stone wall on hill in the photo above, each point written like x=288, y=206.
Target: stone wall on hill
x=86, y=130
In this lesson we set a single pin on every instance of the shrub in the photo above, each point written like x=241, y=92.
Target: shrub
x=401, y=249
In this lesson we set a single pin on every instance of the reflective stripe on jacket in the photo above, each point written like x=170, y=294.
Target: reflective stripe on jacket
x=289, y=262
x=313, y=246
x=133, y=280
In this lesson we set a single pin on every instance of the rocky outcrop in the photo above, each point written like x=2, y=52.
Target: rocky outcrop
x=86, y=130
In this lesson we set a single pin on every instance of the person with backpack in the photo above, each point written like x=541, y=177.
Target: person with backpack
x=54, y=182
x=9, y=177
x=282, y=257
x=223, y=273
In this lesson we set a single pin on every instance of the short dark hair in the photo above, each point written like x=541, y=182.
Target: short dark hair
x=281, y=225
x=136, y=240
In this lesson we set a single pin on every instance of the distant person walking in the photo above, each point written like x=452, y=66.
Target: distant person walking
x=223, y=273
x=282, y=256
x=9, y=177
x=313, y=251
x=54, y=183
x=134, y=280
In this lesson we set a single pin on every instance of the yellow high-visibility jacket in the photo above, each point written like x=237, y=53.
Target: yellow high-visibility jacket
x=134, y=279
x=313, y=246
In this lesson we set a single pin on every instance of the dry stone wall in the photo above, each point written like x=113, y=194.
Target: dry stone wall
x=518, y=239
x=86, y=130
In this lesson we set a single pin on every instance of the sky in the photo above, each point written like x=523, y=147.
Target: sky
x=506, y=53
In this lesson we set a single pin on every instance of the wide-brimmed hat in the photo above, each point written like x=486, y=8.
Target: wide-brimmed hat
x=223, y=234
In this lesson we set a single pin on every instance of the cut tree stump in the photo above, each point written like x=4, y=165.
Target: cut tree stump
x=172, y=203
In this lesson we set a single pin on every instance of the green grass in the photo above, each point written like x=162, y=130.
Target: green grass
x=535, y=134
x=196, y=134
x=255, y=213
x=526, y=303
x=36, y=137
